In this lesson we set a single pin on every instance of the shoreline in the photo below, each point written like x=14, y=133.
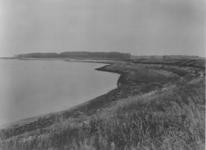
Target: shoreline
x=35, y=118
x=135, y=79
x=106, y=63
x=150, y=99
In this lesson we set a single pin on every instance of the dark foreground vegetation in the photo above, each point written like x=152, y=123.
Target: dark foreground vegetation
x=156, y=106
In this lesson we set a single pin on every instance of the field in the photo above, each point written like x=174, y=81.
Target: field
x=159, y=104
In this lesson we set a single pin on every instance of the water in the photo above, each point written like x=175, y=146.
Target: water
x=31, y=88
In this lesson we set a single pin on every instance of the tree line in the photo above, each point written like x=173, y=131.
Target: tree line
x=78, y=55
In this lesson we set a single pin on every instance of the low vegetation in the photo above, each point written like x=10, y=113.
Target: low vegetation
x=165, y=112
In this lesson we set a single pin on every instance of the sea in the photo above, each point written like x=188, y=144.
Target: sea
x=30, y=88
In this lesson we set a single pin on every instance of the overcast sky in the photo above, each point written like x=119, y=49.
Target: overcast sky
x=141, y=27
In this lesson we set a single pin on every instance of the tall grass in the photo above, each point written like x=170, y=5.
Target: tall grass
x=169, y=119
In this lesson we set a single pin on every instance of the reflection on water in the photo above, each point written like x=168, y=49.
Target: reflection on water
x=32, y=88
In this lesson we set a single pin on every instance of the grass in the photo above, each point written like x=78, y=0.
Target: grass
x=173, y=118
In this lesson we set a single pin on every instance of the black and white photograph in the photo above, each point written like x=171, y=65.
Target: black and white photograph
x=102, y=74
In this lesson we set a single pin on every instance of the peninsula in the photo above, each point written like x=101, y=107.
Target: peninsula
x=159, y=103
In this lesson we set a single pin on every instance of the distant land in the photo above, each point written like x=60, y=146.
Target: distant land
x=98, y=55
x=78, y=55
x=166, y=56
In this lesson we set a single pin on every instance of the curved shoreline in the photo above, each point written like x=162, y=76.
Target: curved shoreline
x=35, y=118
x=132, y=81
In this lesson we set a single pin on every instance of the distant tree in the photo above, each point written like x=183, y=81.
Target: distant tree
x=165, y=57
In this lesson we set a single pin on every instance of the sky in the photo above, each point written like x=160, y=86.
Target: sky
x=139, y=27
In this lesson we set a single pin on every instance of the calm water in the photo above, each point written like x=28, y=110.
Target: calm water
x=32, y=88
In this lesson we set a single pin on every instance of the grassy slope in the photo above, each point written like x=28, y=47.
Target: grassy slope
x=152, y=109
